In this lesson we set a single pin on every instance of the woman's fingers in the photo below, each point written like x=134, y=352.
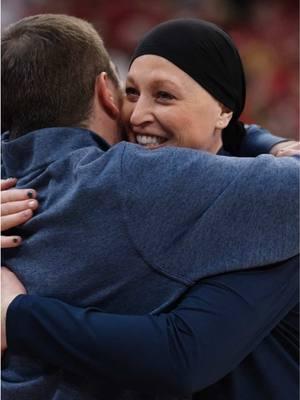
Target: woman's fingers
x=290, y=148
x=288, y=152
x=17, y=206
x=8, y=183
x=10, y=221
x=17, y=195
x=10, y=241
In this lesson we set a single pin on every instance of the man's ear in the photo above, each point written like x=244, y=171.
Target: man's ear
x=107, y=95
x=224, y=117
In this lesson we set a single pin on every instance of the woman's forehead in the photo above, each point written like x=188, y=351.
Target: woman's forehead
x=151, y=61
x=152, y=67
x=158, y=71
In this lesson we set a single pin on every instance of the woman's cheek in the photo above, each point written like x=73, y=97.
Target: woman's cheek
x=126, y=111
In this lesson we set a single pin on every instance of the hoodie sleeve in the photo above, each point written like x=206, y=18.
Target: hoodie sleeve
x=191, y=214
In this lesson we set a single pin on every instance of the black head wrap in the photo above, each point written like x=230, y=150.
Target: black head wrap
x=208, y=55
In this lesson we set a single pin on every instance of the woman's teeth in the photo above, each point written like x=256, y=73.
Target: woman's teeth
x=149, y=140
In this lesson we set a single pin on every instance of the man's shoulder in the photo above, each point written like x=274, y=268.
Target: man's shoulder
x=94, y=161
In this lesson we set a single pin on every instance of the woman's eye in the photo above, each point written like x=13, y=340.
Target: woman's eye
x=165, y=95
x=131, y=93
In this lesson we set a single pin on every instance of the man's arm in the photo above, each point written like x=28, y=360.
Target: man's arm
x=214, y=327
x=220, y=213
x=17, y=209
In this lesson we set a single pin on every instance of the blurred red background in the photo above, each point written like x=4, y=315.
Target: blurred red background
x=266, y=33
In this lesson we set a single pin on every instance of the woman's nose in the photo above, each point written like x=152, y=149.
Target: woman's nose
x=141, y=113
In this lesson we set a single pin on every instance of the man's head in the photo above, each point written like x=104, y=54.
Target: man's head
x=57, y=72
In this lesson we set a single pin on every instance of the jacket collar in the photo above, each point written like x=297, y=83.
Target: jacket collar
x=44, y=146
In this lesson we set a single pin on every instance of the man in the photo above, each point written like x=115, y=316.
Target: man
x=92, y=200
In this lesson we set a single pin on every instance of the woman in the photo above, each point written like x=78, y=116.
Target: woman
x=162, y=98
x=161, y=80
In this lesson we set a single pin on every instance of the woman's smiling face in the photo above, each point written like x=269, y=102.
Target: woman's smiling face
x=164, y=106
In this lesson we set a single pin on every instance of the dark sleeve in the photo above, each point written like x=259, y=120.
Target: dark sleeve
x=214, y=327
x=258, y=141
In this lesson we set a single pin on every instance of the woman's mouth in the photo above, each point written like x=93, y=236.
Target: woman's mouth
x=149, y=140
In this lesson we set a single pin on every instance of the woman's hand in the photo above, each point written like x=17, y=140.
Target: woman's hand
x=11, y=287
x=290, y=148
x=17, y=207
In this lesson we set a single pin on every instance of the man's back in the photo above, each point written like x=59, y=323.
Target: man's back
x=87, y=246
x=76, y=247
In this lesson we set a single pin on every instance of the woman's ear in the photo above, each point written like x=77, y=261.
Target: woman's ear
x=224, y=117
x=108, y=95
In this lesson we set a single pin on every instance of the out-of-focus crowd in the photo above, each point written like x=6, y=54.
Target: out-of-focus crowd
x=266, y=33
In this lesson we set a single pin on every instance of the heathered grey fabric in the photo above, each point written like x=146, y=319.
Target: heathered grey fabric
x=129, y=230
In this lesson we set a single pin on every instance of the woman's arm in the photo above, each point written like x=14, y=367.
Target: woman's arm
x=214, y=327
x=258, y=140
x=17, y=207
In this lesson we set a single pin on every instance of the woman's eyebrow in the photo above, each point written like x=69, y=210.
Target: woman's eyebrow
x=155, y=82
x=167, y=82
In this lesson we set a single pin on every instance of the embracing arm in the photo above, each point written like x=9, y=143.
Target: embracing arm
x=17, y=207
x=260, y=141
x=214, y=327
x=246, y=208
x=17, y=204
